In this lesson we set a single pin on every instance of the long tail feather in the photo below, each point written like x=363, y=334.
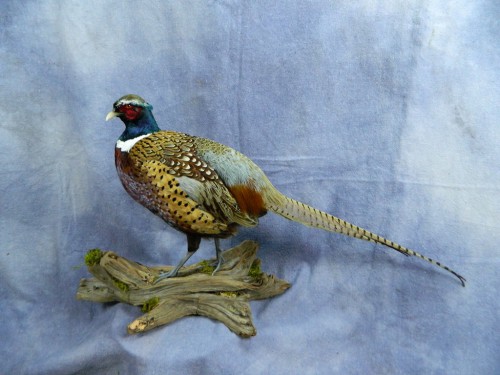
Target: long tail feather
x=310, y=216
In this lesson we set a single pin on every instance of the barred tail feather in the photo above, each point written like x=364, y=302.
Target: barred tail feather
x=310, y=216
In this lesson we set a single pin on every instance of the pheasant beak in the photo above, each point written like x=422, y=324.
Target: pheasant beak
x=111, y=115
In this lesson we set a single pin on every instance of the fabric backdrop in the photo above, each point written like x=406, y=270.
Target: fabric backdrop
x=384, y=113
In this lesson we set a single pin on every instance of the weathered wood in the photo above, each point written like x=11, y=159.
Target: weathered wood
x=195, y=291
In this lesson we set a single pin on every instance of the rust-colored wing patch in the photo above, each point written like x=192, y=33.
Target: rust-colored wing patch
x=249, y=200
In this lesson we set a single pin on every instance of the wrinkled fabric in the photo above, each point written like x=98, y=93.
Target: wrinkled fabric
x=384, y=113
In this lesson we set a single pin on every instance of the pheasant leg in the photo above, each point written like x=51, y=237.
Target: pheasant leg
x=193, y=245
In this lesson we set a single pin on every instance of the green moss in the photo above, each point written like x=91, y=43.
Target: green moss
x=255, y=270
x=121, y=285
x=150, y=304
x=206, y=267
x=93, y=257
x=229, y=294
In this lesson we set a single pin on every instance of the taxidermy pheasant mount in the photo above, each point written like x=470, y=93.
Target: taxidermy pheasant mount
x=205, y=189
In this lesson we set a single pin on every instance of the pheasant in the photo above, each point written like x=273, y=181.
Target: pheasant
x=207, y=190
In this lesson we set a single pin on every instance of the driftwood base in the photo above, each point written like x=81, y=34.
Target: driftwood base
x=223, y=296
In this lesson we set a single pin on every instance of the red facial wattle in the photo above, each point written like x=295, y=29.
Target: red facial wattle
x=130, y=112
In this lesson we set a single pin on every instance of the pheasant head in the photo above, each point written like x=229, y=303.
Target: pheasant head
x=136, y=114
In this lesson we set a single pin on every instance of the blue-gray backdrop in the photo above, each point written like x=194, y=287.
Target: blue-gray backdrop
x=384, y=113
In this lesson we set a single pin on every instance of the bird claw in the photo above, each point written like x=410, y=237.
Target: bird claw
x=166, y=275
x=220, y=262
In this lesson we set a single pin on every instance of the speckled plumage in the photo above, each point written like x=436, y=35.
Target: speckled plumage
x=206, y=189
x=164, y=173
